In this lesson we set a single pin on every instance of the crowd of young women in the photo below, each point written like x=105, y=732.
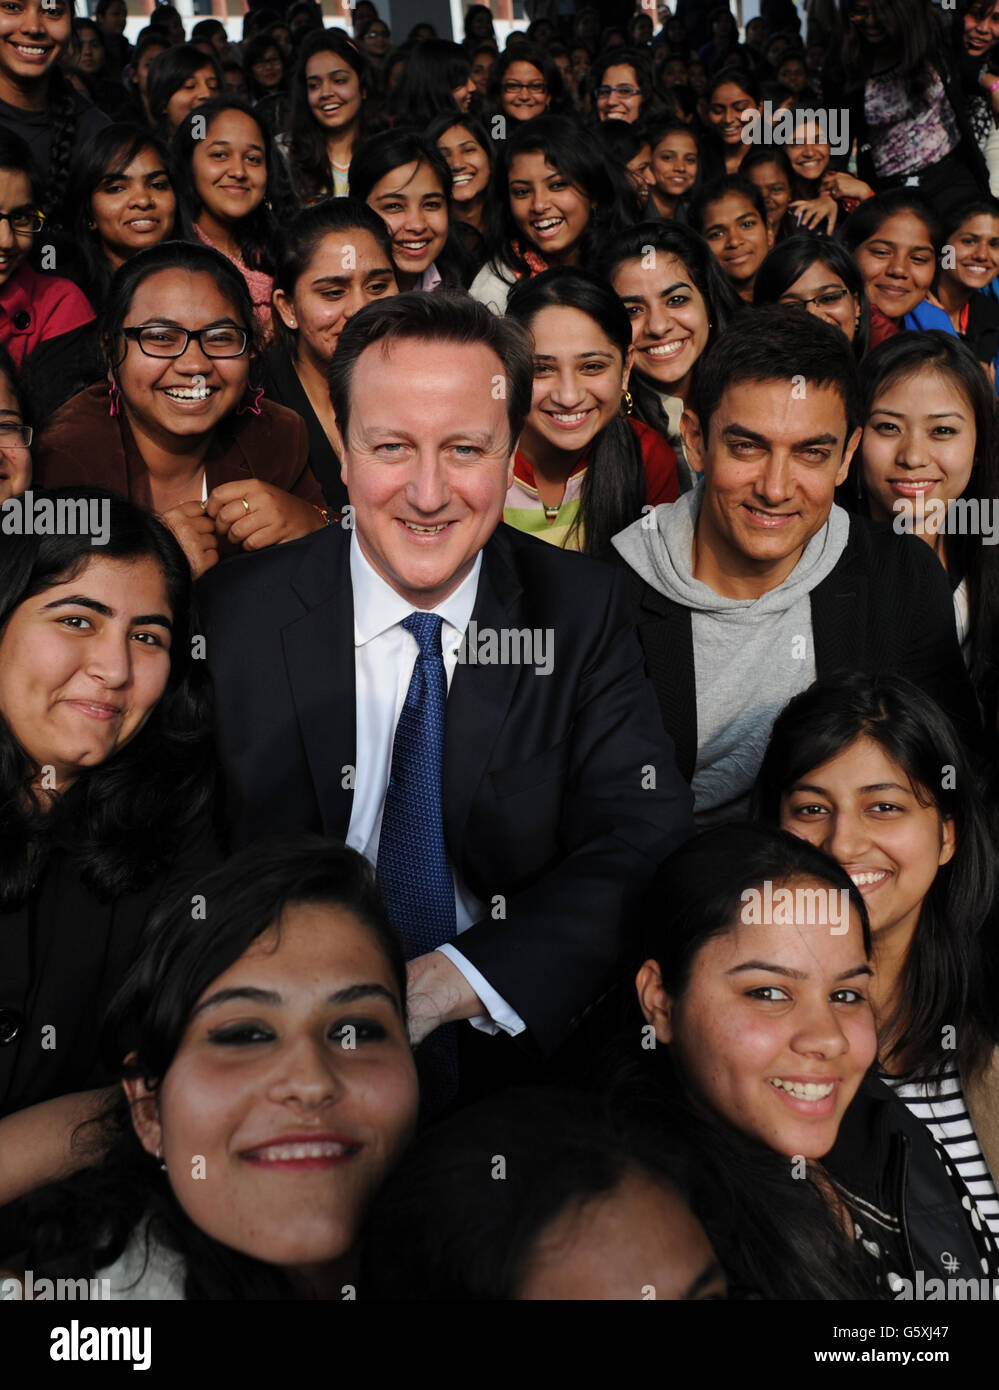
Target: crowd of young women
x=186, y=227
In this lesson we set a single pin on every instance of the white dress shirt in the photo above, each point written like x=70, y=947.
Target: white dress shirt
x=384, y=657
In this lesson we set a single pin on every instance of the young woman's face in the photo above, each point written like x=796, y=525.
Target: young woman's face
x=235, y=82
x=919, y=442
x=140, y=74
x=620, y=105
x=738, y=236
x=615, y=1246
x=347, y=271
x=334, y=91
x=792, y=75
x=134, y=208
x=411, y=203
x=580, y=59
x=810, y=159
x=268, y=70
x=295, y=1084
x=669, y=318
x=463, y=93
x=897, y=263
x=15, y=456
x=981, y=27
x=180, y=398
x=115, y=17
x=976, y=252
x=772, y=182
x=862, y=809
x=229, y=167
x=91, y=58
x=674, y=164
x=199, y=88
x=549, y=211
x=15, y=196
x=725, y=112
x=640, y=172
x=376, y=41
x=468, y=162
x=774, y=1031
x=523, y=92
x=84, y=663
x=827, y=298
x=33, y=33
x=482, y=71
x=579, y=377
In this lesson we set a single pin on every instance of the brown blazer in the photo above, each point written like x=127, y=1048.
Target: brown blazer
x=84, y=443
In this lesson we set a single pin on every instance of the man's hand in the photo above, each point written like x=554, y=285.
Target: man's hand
x=196, y=533
x=438, y=993
x=269, y=517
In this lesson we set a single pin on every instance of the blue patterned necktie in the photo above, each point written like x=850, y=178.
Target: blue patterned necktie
x=414, y=873
x=413, y=869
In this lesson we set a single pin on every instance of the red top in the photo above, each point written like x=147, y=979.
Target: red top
x=882, y=327
x=661, y=482
x=35, y=307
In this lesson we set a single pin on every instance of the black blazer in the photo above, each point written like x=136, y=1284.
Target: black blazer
x=560, y=792
x=276, y=373
x=886, y=608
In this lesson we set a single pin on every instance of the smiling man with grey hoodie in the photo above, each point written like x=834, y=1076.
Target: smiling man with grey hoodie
x=753, y=585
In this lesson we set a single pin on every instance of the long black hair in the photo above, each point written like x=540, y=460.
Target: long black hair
x=587, y=167
x=789, y=260
x=968, y=557
x=915, y=44
x=257, y=234
x=433, y=70
x=671, y=239
x=124, y=818
x=110, y=151
x=308, y=161
x=872, y=213
x=777, y=1236
x=85, y=1222
x=393, y=149
x=614, y=488
x=948, y=976
x=167, y=74
x=446, y=1228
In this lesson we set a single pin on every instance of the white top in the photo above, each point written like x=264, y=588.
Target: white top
x=384, y=657
x=136, y=1278
x=492, y=288
x=962, y=618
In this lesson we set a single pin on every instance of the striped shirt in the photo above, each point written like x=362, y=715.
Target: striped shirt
x=941, y=1106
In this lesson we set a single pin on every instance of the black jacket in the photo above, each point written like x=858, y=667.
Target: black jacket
x=886, y=608
x=275, y=372
x=560, y=791
x=888, y=1159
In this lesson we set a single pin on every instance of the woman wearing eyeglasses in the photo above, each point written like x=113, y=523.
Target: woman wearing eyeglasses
x=814, y=273
x=175, y=427
x=34, y=307
x=622, y=86
x=526, y=82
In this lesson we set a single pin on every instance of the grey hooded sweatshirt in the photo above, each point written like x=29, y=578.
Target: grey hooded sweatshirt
x=750, y=655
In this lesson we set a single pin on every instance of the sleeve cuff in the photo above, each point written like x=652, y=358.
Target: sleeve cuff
x=499, y=1017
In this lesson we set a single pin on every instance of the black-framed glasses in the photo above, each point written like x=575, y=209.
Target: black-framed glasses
x=165, y=340
x=828, y=299
x=536, y=89
x=624, y=89
x=13, y=436
x=24, y=221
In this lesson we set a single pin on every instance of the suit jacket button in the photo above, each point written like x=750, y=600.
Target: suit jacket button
x=10, y=1025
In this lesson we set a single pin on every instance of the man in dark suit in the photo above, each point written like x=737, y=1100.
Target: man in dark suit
x=511, y=836
x=755, y=584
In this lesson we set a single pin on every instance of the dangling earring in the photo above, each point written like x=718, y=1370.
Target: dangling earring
x=114, y=399
x=627, y=403
x=159, y=1155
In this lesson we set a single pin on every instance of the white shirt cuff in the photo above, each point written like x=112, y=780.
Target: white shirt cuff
x=498, y=1016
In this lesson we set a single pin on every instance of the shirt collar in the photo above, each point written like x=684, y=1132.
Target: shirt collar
x=377, y=606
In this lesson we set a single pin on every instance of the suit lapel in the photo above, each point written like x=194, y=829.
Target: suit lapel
x=319, y=656
x=480, y=696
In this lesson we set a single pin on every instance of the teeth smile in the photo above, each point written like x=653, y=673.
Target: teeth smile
x=869, y=877
x=189, y=393
x=426, y=530
x=289, y=1153
x=546, y=225
x=803, y=1090
x=32, y=52
x=569, y=419
x=666, y=349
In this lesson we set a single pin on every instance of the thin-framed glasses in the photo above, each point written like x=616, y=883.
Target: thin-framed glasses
x=536, y=89
x=166, y=340
x=624, y=89
x=828, y=299
x=15, y=436
x=24, y=221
